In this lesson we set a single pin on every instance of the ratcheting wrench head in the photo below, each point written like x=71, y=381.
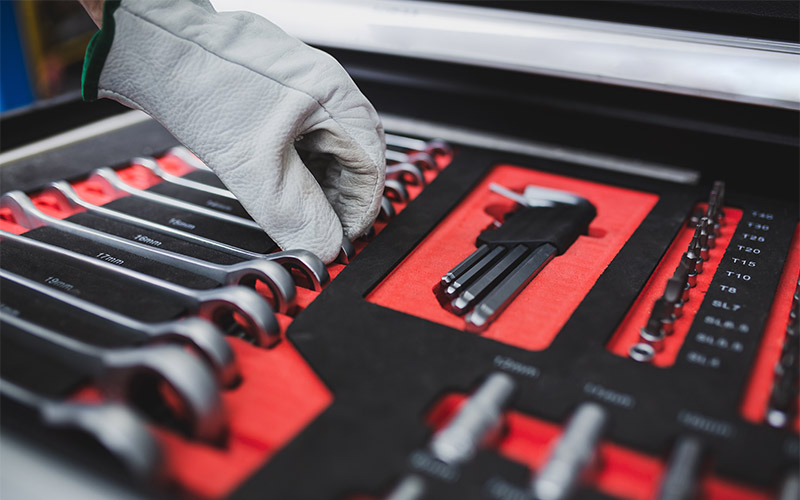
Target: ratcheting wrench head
x=128, y=370
x=260, y=323
x=406, y=172
x=419, y=159
x=274, y=276
x=395, y=191
x=206, y=339
x=305, y=263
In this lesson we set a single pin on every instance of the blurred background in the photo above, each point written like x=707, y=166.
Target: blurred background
x=43, y=43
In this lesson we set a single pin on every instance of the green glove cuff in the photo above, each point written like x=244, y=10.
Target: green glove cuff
x=97, y=51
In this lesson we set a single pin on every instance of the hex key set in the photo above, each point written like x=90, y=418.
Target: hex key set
x=487, y=339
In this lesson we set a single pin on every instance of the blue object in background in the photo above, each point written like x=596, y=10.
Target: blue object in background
x=15, y=87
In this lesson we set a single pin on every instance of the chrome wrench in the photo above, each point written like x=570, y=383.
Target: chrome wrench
x=435, y=147
x=273, y=275
x=153, y=166
x=205, y=338
x=302, y=261
x=215, y=304
x=407, y=173
x=419, y=159
x=116, y=428
x=392, y=188
x=110, y=178
x=117, y=372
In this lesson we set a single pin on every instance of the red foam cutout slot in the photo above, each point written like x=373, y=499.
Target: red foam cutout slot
x=756, y=399
x=278, y=397
x=7, y=222
x=538, y=313
x=174, y=165
x=628, y=332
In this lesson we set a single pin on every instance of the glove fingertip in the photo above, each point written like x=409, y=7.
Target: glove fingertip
x=323, y=240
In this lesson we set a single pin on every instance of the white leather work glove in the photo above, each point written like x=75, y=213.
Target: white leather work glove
x=242, y=95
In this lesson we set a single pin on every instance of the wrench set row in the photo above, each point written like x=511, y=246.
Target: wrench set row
x=669, y=306
x=480, y=422
x=131, y=289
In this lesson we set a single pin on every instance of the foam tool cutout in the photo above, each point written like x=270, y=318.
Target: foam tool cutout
x=509, y=255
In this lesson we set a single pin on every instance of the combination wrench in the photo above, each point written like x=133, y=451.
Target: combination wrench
x=407, y=173
x=32, y=300
x=217, y=304
x=419, y=159
x=152, y=165
x=303, y=262
x=433, y=147
x=111, y=179
x=115, y=427
x=273, y=275
x=393, y=189
x=120, y=373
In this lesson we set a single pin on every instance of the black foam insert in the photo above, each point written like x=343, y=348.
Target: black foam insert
x=207, y=200
x=152, y=237
x=104, y=287
x=206, y=178
x=35, y=371
x=129, y=260
x=56, y=315
x=250, y=239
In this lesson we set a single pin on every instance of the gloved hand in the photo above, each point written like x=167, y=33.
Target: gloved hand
x=242, y=95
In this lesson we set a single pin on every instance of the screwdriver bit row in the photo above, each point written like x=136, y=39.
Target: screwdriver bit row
x=669, y=307
x=782, y=407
